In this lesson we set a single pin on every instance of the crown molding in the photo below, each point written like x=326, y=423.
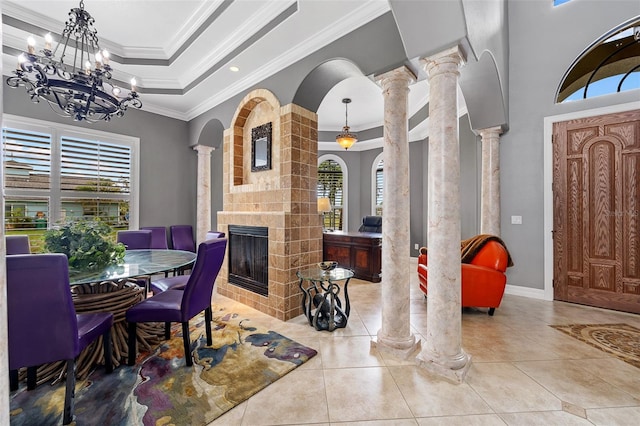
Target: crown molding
x=199, y=17
x=261, y=18
x=358, y=17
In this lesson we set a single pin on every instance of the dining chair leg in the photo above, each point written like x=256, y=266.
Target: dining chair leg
x=69, y=393
x=132, y=349
x=186, y=339
x=208, y=317
x=167, y=330
x=32, y=375
x=108, y=352
x=13, y=380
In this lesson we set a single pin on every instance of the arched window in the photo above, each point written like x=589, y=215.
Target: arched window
x=331, y=181
x=377, y=180
x=610, y=65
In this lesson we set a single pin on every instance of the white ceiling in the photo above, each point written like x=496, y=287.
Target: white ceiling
x=192, y=52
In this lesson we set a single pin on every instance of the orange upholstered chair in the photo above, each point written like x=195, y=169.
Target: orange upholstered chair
x=483, y=277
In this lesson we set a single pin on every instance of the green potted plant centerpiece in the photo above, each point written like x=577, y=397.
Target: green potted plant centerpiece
x=85, y=243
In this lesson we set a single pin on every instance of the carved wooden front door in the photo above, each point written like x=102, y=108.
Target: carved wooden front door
x=596, y=190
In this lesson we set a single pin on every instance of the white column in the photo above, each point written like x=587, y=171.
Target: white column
x=203, y=224
x=395, y=335
x=442, y=353
x=490, y=197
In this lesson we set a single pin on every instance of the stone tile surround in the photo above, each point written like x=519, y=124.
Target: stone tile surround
x=282, y=199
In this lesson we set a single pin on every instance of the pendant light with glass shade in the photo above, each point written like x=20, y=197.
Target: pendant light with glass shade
x=346, y=139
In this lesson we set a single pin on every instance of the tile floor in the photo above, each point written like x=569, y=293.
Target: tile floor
x=523, y=372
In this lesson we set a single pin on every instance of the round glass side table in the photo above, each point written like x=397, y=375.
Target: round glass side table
x=322, y=303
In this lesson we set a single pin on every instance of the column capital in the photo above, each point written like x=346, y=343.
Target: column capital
x=490, y=132
x=203, y=149
x=453, y=58
x=402, y=73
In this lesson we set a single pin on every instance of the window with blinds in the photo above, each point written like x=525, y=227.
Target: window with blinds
x=330, y=180
x=64, y=176
x=379, y=187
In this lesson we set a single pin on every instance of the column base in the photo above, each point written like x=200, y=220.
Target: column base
x=403, y=349
x=456, y=376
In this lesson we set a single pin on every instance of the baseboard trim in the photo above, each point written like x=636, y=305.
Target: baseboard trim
x=532, y=293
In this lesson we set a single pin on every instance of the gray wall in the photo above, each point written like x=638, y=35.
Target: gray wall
x=167, y=163
x=540, y=54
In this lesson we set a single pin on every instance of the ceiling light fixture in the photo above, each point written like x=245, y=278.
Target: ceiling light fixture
x=346, y=139
x=234, y=68
x=74, y=89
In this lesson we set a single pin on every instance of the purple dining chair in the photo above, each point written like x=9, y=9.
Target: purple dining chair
x=182, y=305
x=135, y=240
x=214, y=234
x=158, y=237
x=182, y=238
x=43, y=324
x=18, y=244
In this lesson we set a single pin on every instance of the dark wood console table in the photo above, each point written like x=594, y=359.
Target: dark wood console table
x=359, y=251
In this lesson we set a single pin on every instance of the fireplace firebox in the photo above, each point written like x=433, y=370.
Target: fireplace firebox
x=249, y=258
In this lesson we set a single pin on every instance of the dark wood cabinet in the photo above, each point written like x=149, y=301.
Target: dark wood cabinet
x=359, y=251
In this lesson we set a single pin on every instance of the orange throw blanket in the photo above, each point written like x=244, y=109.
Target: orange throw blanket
x=471, y=246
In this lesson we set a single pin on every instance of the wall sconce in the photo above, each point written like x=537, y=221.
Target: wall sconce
x=324, y=206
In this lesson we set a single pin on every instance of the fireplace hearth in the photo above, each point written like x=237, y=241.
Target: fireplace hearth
x=249, y=258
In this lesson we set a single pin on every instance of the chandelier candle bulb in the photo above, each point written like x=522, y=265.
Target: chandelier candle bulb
x=21, y=60
x=105, y=57
x=133, y=84
x=47, y=41
x=31, y=45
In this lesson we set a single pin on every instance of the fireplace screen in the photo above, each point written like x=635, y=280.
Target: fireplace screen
x=249, y=258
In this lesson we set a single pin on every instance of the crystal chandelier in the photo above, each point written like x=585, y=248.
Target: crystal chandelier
x=80, y=88
x=346, y=139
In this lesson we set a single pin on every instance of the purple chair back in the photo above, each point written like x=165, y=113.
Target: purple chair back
x=199, y=287
x=135, y=240
x=158, y=237
x=18, y=244
x=42, y=320
x=211, y=235
x=182, y=238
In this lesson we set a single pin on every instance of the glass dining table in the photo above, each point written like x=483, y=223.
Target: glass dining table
x=115, y=288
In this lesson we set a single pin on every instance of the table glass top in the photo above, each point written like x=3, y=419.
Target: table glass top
x=317, y=274
x=135, y=263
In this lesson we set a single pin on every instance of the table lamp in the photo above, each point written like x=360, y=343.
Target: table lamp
x=324, y=206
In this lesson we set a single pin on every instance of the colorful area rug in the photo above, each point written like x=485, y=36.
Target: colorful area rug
x=620, y=340
x=161, y=390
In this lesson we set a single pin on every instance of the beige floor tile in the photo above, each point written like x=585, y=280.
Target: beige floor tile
x=358, y=394
x=475, y=420
x=575, y=384
x=522, y=369
x=231, y=417
x=625, y=416
x=297, y=398
x=616, y=372
x=348, y=352
x=428, y=396
x=508, y=390
x=544, y=418
x=394, y=422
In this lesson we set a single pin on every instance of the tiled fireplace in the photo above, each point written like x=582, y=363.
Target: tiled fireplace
x=281, y=199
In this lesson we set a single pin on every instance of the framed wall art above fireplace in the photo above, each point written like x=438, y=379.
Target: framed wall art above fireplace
x=261, y=148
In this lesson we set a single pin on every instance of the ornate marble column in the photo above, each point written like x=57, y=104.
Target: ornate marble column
x=203, y=221
x=490, y=197
x=395, y=335
x=442, y=353
x=4, y=338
